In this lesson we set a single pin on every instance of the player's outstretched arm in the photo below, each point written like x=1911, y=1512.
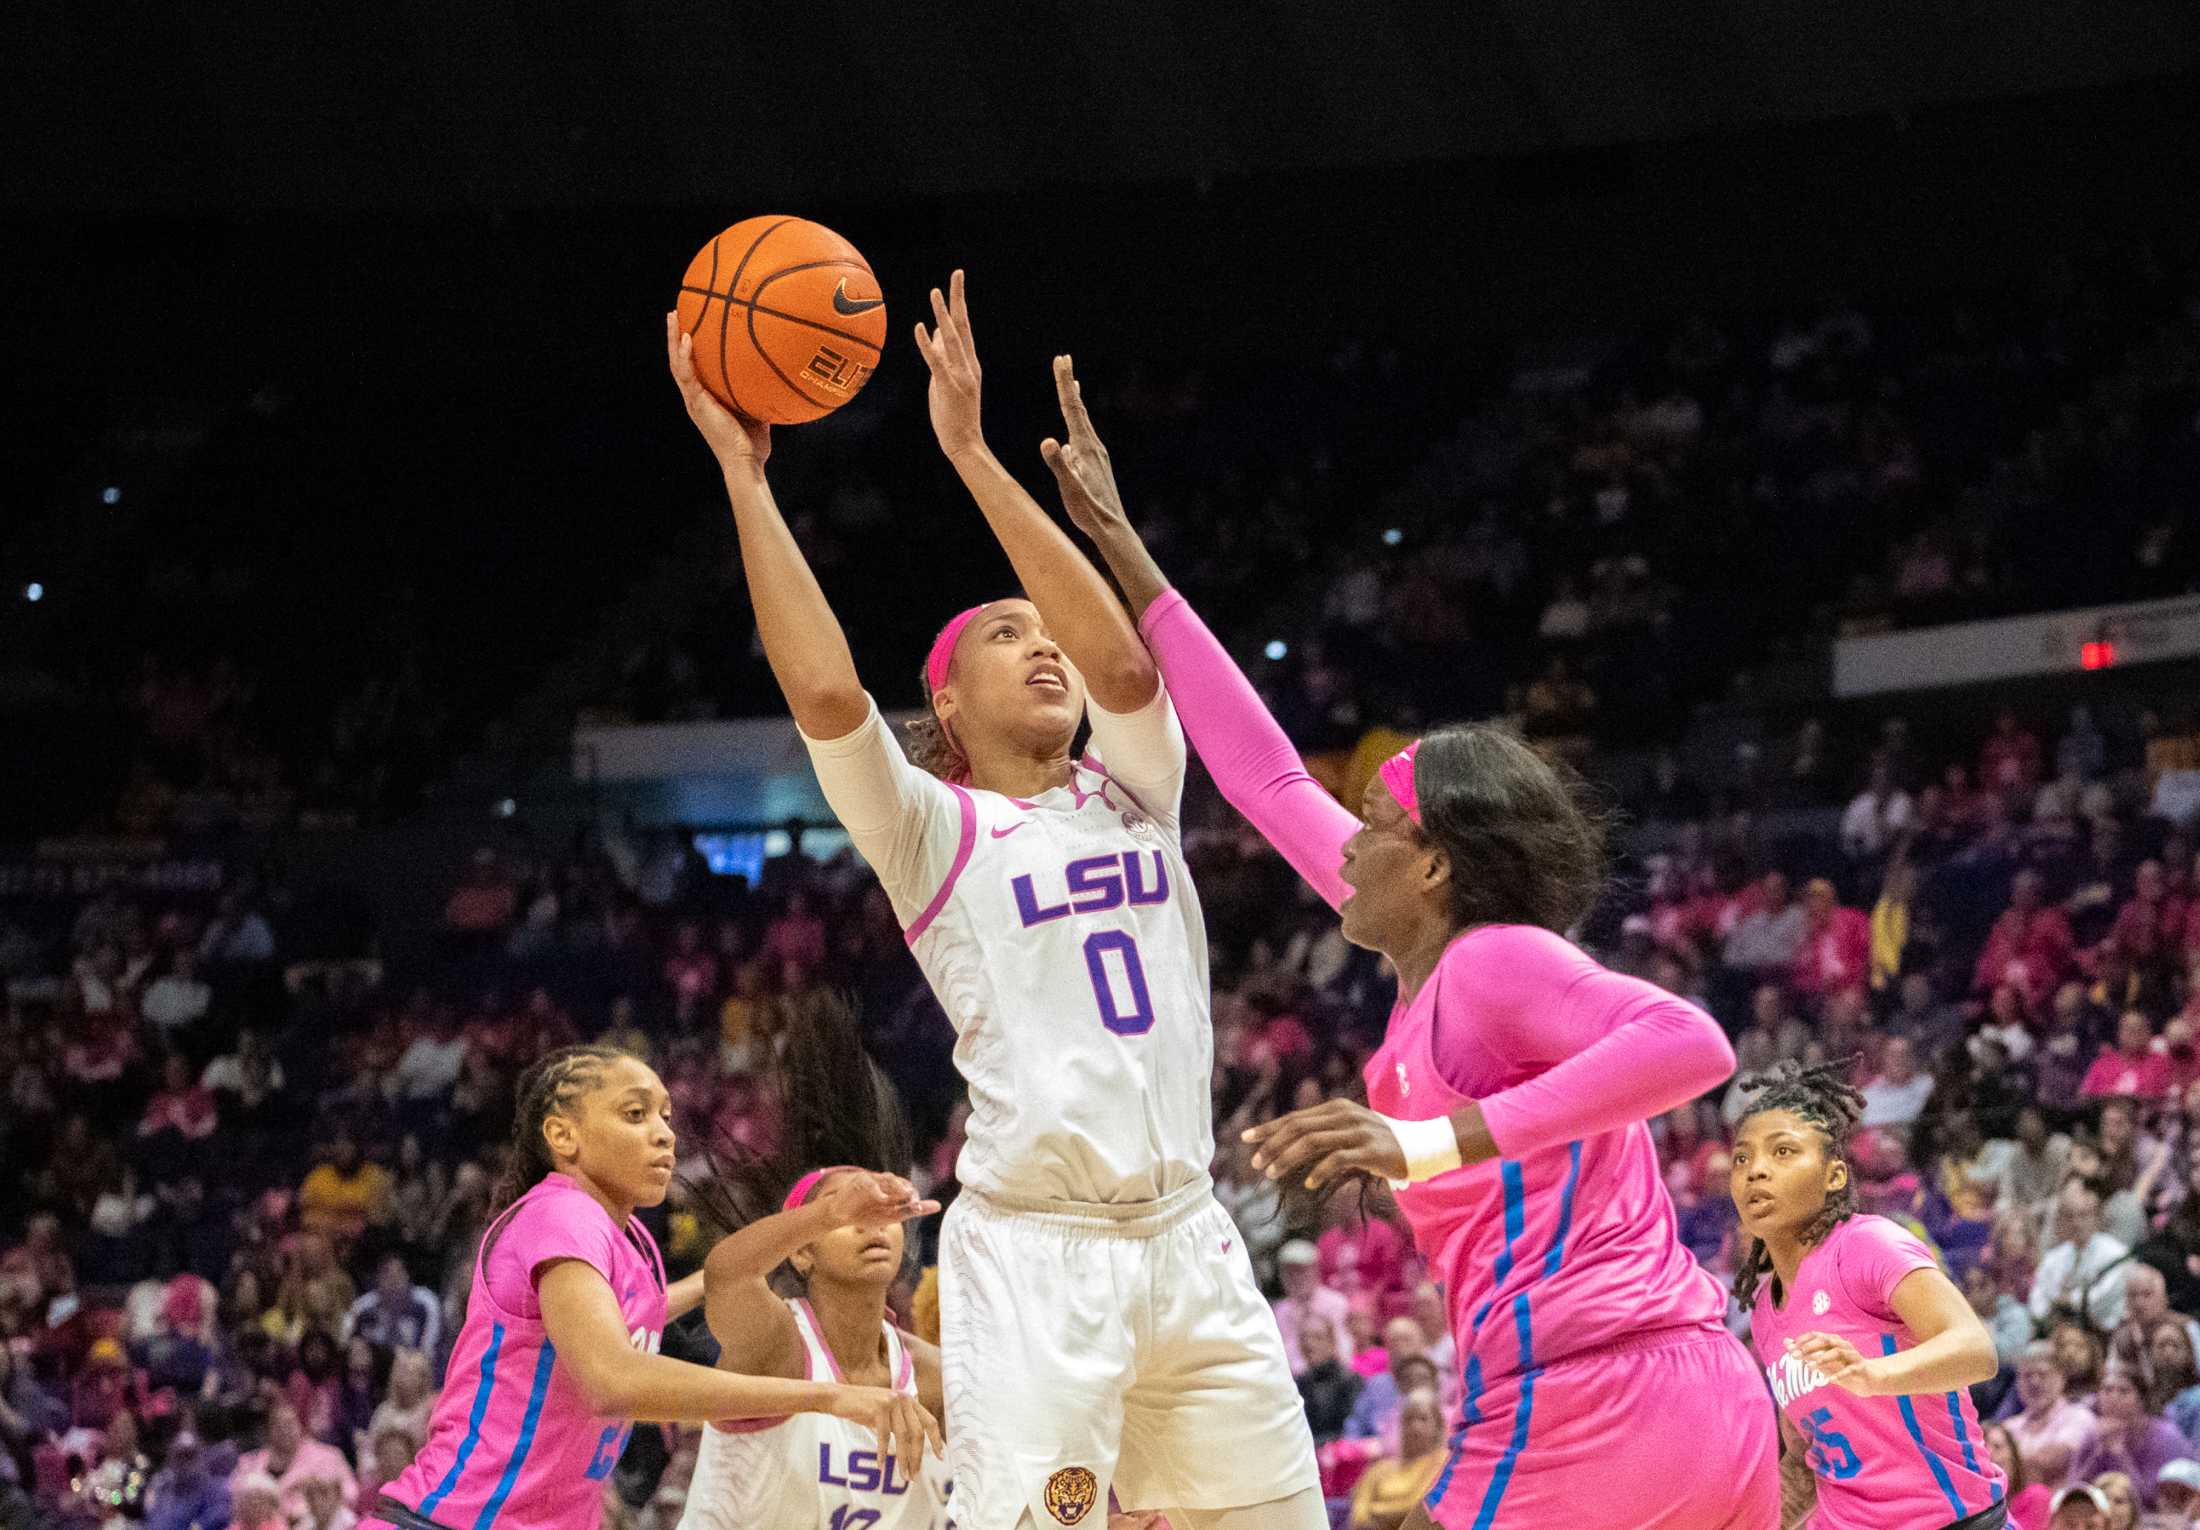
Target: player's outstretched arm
x=754, y=1330
x=1079, y=608
x=802, y=638
x=1251, y=759
x=1085, y=474
x=582, y=1318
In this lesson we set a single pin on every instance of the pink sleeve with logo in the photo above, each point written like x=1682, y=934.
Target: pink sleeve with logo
x=1605, y=1050
x=551, y=1226
x=1253, y=763
x=1875, y=1258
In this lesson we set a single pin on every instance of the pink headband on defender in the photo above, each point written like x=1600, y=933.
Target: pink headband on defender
x=943, y=647
x=1397, y=774
x=800, y=1194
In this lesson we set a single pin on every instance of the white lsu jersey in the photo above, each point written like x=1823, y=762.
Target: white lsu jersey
x=812, y=1471
x=1062, y=936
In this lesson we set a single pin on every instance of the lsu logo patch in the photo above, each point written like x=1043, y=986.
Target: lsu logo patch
x=1071, y=1493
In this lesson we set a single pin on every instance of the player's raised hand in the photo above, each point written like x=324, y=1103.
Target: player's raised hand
x=1836, y=1359
x=1325, y=1142
x=1080, y=464
x=736, y=441
x=864, y=1199
x=902, y=1424
x=951, y=354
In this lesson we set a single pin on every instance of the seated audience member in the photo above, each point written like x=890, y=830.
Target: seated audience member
x=2122, y=1497
x=291, y=1458
x=1327, y=1386
x=2127, y=1438
x=1306, y=1301
x=2131, y=1069
x=396, y=1314
x=2176, y=1496
x=1429, y=1315
x=2048, y=1427
x=2146, y=1308
x=258, y=1503
x=2082, y=1272
x=390, y=1450
x=1393, y=1487
x=2026, y=1498
x=344, y=1193
x=325, y=1507
x=191, y=1489
x=1897, y=1094
x=1379, y=1398
x=1360, y=1254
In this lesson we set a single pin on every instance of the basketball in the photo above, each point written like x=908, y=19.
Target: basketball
x=787, y=319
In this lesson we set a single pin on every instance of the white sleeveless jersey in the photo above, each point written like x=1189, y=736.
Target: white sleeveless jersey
x=812, y=1471
x=1063, y=938
x=1069, y=952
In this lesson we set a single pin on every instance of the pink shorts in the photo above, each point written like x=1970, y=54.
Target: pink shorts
x=1672, y=1431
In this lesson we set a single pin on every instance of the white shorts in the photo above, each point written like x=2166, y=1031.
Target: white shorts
x=1089, y=1347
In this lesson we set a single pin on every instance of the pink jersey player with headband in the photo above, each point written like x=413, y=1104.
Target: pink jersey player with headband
x=1601, y=1385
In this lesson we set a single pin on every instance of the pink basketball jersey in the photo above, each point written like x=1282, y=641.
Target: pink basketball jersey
x=512, y=1445
x=1882, y=1463
x=1559, y=1252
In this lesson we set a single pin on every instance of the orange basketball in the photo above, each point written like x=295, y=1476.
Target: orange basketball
x=787, y=319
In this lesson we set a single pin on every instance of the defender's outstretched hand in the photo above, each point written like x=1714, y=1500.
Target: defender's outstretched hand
x=951, y=353
x=1327, y=1142
x=735, y=440
x=1081, y=467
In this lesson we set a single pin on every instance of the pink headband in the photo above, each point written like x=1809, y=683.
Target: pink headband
x=943, y=647
x=1397, y=774
x=800, y=1194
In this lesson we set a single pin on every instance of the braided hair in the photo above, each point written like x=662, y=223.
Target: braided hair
x=1822, y=1095
x=553, y=1086
x=836, y=1107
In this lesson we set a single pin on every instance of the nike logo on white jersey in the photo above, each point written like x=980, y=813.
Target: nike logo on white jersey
x=1012, y=828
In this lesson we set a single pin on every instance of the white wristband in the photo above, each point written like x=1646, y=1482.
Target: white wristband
x=1431, y=1147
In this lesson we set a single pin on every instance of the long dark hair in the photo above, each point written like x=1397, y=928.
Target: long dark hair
x=1525, y=841
x=1822, y=1095
x=551, y=1087
x=836, y=1107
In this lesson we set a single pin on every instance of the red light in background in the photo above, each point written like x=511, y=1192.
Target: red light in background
x=2096, y=655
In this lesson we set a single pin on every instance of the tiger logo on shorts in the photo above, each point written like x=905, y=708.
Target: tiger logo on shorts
x=1071, y=1493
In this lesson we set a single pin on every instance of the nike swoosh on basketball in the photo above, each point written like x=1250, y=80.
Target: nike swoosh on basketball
x=842, y=303
x=1012, y=828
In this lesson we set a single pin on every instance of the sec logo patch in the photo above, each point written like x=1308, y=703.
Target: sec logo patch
x=1819, y=1303
x=1071, y=1493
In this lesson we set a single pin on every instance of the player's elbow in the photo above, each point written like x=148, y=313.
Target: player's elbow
x=1701, y=1056
x=828, y=709
x=608, y=1383
x=1982, y=1363
x=1125, y=685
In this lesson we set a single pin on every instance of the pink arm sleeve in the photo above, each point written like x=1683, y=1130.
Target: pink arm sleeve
x=1258, y=771
x=1602, y=1050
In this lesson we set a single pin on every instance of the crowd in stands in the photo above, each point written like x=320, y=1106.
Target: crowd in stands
x=240, y=1184
x=247, y=1188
